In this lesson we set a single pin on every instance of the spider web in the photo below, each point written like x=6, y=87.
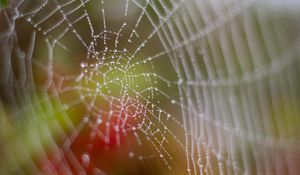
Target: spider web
x=227, y=93
x=116, y=95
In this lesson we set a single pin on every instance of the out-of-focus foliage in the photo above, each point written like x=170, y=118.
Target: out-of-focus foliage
x=150, y=87
x=3, y=3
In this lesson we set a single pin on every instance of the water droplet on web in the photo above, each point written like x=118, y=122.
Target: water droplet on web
x=117, y=129
x=169, y=115
x=99, y=121
x=85, y=119
x=82, y=64
x=131, y=155
x=85, y=159
x=180, y=81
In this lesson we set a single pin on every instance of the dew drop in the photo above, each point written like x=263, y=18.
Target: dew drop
x=131, y=155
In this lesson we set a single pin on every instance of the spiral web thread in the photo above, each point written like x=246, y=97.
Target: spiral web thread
x=236, y=65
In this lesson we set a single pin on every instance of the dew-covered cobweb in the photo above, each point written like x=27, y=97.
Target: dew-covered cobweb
x=216, y=81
